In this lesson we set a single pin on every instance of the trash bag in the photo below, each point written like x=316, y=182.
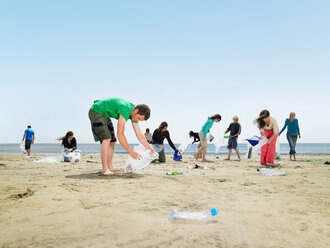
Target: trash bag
x=22, y=147
x=133, y=165
x=255, y=143
x=74, y=156
x=184, y=146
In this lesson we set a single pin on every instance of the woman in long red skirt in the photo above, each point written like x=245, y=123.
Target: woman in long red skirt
x=268, y=127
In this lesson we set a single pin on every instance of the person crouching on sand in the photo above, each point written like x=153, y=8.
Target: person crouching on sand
x=69, y=142
x=202, y=135
x=268, y=127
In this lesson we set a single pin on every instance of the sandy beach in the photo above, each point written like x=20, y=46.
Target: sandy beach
x=72, y=205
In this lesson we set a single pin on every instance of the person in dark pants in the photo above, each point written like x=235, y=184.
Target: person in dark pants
x=29, y=139
x=235, y=130
x=69, y=142
x=158, y=138
x=292, y=133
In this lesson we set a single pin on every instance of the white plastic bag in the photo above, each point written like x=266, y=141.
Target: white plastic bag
x=218, y=143
x=22, y=147
x=254, y=150
x=55, y=159
x=74, y=156
x=133, y=165
x=184, y=146
x=278, y=153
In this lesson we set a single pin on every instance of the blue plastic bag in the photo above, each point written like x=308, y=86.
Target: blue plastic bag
x=177, y=156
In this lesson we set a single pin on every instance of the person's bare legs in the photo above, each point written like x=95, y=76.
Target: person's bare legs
x=104, y=156
x=28, y=152
x=238, y=156
x=229, y=154
x=290, y=157
x=294, y=157
x=198, y=153
x=110, y=157
x=204, y=155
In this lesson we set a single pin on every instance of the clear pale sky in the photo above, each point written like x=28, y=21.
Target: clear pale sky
x=186, y=59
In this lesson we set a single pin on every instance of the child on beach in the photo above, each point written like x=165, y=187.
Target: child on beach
x=100, y=115
x=158, y=138
x=268, y=127
x=292, y=133
x=69, y=142
x=202, y=135
x=235, y=130
x=29, y=139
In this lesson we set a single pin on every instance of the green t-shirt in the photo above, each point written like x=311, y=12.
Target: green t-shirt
x=113, y=107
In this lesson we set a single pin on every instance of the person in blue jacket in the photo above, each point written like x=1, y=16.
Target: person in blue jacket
x=292, y=134
x=29, y=139
x=202, y=135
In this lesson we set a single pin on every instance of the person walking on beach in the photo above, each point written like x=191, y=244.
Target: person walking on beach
x=29, y=139
x=69, y=142
x=100, y=115
x=158, y=138
x=268, y=127
x=292, y=134
x=148, y=135
x=235, y=130
x=202, y=135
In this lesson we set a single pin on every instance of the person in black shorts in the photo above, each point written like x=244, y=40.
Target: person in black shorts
x=235, y=130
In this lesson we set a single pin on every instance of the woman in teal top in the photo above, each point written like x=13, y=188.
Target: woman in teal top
x=292, y=133
x=202, y=135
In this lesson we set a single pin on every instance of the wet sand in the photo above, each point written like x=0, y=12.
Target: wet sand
x=72, y=205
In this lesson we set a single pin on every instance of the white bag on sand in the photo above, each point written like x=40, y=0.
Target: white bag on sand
x=278, y=153
x=74, y=156
x=133, y=165
x=55, y=159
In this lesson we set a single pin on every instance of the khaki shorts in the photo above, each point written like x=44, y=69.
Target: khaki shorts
x=102, y=127
x=203, y=142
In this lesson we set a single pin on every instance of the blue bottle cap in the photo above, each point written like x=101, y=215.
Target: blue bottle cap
x=214, y=211
x=258, y=170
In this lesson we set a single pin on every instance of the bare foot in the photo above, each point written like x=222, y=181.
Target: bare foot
x=115, y=169
x=227, y=159
x=107, y=173
x=205, y=160
x=196, y=157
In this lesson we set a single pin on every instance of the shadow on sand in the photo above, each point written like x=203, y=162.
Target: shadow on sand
x=99, y=175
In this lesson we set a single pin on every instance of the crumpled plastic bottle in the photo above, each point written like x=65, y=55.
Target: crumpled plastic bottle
x=270, y=172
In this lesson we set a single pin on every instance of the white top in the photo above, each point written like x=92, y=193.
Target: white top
x=148, y=136
x=272, y=125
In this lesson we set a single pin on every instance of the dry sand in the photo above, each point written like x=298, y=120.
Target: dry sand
x=71, y=205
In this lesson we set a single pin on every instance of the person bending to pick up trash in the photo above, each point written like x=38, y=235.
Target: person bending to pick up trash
x=158, y=138
x=100, y=115
x=235, y=130
x=268, y=127
x=202, y=135
x=69, y=142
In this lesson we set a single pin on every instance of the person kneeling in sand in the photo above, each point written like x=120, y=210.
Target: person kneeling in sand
x=69, y=142
x=100, y=115
x=235, y=130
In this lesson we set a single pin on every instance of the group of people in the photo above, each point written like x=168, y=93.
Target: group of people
x=102, y=111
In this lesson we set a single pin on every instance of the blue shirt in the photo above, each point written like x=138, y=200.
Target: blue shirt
x=293, y=127
x=207, y=126
x=29, y=134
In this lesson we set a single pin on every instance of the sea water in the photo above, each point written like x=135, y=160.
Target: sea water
x=94, y=149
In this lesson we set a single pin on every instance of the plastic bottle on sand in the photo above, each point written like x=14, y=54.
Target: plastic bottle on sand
x=200, y=216
x=269, y=172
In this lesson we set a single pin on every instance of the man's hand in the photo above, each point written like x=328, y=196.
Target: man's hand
x=135, y=155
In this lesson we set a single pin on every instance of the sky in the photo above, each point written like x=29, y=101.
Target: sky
x=186, y=59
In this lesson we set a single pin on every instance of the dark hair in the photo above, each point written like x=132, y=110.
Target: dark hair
x=162, y=125
x=29, y=126
x=263, y=114
x=68, y=134
x=216, y=116
x=143, y=110
x=147, y=130
x=191, y=133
